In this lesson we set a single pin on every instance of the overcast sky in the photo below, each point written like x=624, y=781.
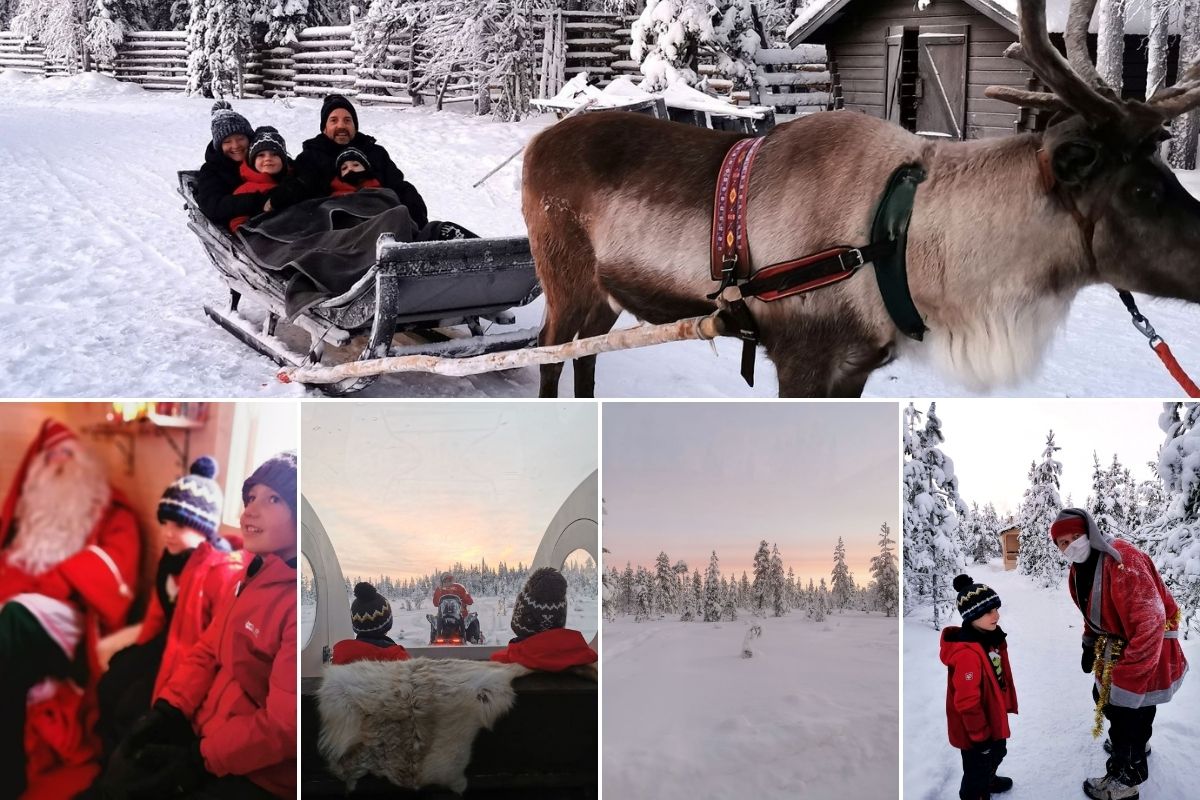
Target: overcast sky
x=404, y=489
x=688, y=478
x=992, y=443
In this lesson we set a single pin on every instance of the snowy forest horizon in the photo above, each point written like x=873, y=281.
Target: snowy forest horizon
x=944, y=534
x=667, y=589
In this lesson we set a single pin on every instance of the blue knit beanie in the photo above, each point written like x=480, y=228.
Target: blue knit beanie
x=194, y=501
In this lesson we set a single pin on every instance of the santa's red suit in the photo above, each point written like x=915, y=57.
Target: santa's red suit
x=1127, y=599
x=456, y=589
x=98, y=584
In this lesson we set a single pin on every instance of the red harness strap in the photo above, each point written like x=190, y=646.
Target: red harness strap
x=730, y=246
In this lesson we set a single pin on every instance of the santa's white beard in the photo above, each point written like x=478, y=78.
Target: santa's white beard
x=58, y=508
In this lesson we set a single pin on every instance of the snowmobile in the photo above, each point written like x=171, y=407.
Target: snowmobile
x=418, y=288
x=450, y=627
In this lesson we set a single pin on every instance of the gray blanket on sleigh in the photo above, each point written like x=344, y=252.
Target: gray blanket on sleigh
x=327, y=243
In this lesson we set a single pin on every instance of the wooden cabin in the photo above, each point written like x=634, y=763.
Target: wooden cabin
x=927, y=69
x=1010, y=546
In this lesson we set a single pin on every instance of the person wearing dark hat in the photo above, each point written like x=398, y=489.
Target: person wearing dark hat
x=539, y=621
x=979, y=689
x=316, y=166
x=225, y=723
x=1130, y=644
x=353, y=173
x=264, y=168
x=371, y=619
x=198, y=567
x=221, y=173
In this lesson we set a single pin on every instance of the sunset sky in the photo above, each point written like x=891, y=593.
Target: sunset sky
x=404, y=489
x=688, y=478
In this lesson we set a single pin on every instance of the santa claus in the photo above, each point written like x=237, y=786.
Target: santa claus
x=69, y=550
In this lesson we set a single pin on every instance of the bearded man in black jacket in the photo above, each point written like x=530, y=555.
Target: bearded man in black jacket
x=316, y=165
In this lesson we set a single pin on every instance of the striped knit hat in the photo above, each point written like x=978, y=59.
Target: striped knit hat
x=226, y=122
x=194, y=501
x=974, y=599
x=370, y=613
x=541, y=604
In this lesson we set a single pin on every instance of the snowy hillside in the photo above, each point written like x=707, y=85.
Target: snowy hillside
x=1051, y=750
x=104, y=283
x=812, y=714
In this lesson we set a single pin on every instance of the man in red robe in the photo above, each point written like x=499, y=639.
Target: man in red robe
x=69, y=550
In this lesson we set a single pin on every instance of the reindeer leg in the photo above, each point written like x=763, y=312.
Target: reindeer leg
x=599, y=322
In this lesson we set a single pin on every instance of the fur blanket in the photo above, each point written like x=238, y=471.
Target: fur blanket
x=327, y=243
x=411, y=722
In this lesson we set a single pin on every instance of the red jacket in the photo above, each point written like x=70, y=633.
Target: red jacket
x=456, y=589
x=340, y=187
x=348, y=651
x=254, y=182
x=207, y=577
x=552, y=650
x=238, y=684
x=61, y=748
x=1136, y=606
x=977, y=707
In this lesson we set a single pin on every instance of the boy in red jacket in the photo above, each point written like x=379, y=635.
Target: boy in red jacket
x=265, y=166
x=1130, y=642
x=353, y=173
x=539, y=619
x=225, y=723
x=196, y=569
x=371, y=619
x=979, y=689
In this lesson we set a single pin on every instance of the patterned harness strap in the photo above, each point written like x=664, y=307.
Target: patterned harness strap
x=730, y=245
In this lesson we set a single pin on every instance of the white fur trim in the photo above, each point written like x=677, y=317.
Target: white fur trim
x=122, y=587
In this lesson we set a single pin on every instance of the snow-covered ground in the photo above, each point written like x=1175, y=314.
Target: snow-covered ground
x=411, y=629
x=812, y=714
x=1051, y=750
x=103, y=282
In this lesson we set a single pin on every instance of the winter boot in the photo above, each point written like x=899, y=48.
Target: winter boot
x=1108, y=747
x=1000, y=784
x=1109, y=787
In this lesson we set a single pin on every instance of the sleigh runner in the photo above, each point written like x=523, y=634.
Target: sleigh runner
x=414, y=287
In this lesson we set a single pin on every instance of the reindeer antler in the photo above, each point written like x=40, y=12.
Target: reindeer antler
x=1079, y=17
x=1174, y=101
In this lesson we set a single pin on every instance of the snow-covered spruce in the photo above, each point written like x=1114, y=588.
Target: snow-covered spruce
x=1039, y=558
x=58, y=25
x=218, y=41
x=885, y=583
x=932, y=508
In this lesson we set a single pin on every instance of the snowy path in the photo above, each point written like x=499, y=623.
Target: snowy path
x=813, y=714
x=104, y=283
x=1051, y=750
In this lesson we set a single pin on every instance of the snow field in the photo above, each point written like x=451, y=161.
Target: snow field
x=104, y=284
x=1051, y=751
x=812, y=714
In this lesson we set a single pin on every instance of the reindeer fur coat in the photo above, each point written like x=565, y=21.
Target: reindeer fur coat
x=411, y=722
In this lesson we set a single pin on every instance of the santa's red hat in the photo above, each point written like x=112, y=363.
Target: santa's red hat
x=52, y=434
x=1068, y=524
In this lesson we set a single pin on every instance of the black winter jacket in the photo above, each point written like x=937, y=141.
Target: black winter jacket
x=315, y=170
x=218, y=178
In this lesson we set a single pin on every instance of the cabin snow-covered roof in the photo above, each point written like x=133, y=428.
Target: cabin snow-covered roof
x=1002, y=12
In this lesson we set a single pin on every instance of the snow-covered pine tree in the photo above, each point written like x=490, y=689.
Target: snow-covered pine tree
x=1110, y=43
x=712, y=587
x=218, y=41
x=790, y=591
x=885, y=583
x=843, y=583
x=735, y=40
x=625, y=590
x=58, y=25
x=778, y=584
x=665, y=601
x=1101, y=497
x=931, y=509
x=643, y=590
x=109, y=23
x=1039, y=558
x=666, y=41
x=760, y=590
x=743, y=593
x=1173, y=539
x=697, y=592
x=687, y=606
x=821, y=603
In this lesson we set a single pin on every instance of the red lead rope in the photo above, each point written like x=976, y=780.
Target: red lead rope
x=1159, y=346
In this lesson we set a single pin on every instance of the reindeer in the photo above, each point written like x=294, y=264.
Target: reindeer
x=1003, y=233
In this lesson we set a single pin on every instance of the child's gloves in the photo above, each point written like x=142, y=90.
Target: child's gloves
x=1089, y=657
x=163, y=724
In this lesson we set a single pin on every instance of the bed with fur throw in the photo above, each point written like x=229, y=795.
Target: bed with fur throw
x=411, y=722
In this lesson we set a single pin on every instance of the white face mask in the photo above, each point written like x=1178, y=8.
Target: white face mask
x=1078, y=550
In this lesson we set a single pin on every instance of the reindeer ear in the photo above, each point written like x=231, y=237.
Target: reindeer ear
x=1075, y=161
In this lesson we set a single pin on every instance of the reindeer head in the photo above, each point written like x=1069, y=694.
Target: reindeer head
x=1101, y=154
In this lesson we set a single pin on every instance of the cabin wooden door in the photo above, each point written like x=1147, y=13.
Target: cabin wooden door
x=893, y=70
x=942, y=90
